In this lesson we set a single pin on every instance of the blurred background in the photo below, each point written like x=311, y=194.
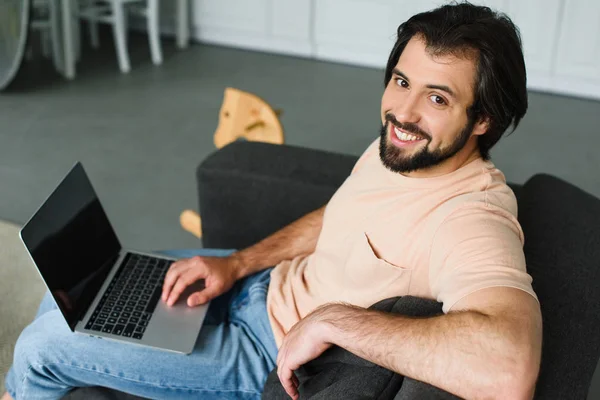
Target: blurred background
x=133, y=90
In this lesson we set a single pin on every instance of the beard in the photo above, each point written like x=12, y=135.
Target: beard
x=396, y=159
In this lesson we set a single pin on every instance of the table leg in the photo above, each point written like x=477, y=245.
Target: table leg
x=183, y=24
x=68, y=48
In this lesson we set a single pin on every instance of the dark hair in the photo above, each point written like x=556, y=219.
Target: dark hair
x=464, y=30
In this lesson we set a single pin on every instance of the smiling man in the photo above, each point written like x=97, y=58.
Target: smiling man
x=423, y=213
x=430, y=217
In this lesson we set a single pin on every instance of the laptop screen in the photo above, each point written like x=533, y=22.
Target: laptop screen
x=72, y=244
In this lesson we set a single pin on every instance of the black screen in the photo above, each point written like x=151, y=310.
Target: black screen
x=72, y=244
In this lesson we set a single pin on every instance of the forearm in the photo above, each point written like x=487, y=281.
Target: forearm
x=299, y=237
x=469, y=354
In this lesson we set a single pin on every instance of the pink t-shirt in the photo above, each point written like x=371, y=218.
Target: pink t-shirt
x=385, y=235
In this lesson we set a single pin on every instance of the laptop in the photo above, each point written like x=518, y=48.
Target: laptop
x=102, y=289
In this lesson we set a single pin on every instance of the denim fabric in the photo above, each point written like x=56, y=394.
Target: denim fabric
x=233, y=355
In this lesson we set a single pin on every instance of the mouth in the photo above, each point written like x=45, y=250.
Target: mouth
x=402, y=138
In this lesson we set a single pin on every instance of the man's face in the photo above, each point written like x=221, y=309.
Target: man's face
x=424, y=110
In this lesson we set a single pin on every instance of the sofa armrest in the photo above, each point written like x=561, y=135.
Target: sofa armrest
x=248, y=190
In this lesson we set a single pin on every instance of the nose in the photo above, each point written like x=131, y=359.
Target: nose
x=407, y=109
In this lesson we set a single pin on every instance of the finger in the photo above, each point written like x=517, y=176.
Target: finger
x=285, y=378
x=184, y=280
x=204, y=296
x=171, y=276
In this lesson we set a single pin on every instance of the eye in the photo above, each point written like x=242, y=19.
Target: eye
x=439, y=100
x=401, y=82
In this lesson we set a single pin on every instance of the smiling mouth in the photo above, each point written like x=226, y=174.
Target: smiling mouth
x=400, y=136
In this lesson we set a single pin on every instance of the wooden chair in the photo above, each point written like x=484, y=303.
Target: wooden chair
x=115, y=12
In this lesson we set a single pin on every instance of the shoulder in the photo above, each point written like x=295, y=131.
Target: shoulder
x=371, y=151
x=482, y=196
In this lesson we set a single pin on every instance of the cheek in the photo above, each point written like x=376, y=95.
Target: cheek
x=386, y=103
x=444, y=127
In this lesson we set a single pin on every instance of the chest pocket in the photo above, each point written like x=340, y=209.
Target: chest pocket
x=368, y=278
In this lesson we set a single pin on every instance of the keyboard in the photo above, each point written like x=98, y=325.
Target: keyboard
x=129, y=301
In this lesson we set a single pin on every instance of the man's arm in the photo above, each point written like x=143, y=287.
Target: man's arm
x=220, y=273
x=489, y=343
x=298, y=238
x=489, y=346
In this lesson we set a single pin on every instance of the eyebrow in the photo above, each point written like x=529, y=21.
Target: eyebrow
x=443, y=88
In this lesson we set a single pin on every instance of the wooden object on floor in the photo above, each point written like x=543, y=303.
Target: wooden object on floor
x=247, y=116
x=243, y=115
x=190, y=221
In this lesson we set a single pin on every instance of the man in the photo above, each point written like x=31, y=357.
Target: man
x=424, y=213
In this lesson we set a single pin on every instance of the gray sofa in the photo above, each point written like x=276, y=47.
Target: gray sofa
x=248, y=190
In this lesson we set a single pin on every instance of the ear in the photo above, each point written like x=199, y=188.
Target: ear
x=481, y=126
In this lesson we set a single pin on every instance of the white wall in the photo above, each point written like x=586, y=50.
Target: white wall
x=561, y=38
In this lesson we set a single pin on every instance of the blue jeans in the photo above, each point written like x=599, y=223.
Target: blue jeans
x=234, y=353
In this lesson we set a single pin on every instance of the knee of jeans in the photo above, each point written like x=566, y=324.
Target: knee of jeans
x=40, y=343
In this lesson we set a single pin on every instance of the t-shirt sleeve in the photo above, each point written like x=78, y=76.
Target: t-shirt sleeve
x=372, y=150
x=474, y=248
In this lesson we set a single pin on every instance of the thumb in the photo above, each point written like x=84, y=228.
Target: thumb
x=203, y=297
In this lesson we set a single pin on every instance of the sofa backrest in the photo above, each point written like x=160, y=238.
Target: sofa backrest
x=561, y=224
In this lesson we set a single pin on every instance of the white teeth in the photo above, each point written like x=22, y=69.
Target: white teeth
x=404, y=136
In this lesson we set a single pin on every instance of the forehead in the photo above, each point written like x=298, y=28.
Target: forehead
x=422, y=68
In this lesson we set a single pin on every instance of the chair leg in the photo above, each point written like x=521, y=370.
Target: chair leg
x=118, y=10
x=154, y=31
x=93, y=27
x=94, y=37
x=183, y=24
x=57, y=57
x=76, y=29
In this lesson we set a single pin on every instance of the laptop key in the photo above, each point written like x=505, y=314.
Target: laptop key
x=122, y=320
x=118, y=329
x=108, y=328
x=137, y=335
x=129, y=330
x=104, y=315
x=97, y=328
x=140, y=329
x=153, y=300
x=112, y=320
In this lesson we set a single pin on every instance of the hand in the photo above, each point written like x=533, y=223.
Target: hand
x=219, y=274
x=307, y=340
